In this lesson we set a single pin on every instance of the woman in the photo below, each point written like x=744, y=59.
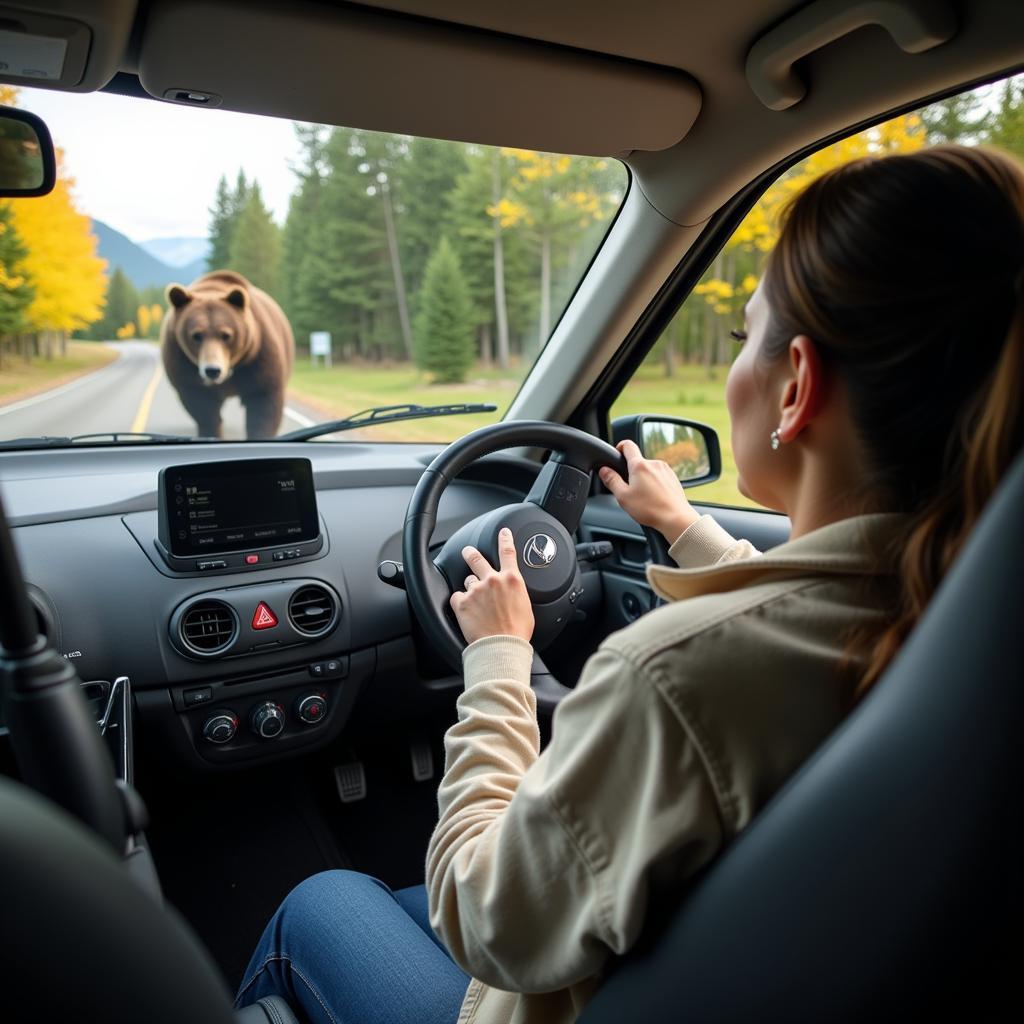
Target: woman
x=876, y=403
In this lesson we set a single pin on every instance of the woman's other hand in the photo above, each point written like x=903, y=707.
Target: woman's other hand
x=653, y=495
x=495, y=601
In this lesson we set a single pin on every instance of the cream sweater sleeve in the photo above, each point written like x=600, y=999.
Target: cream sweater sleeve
x=540, y=864
x=705, y=543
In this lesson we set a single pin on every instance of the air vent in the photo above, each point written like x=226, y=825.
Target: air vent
x=312, y=610
x=208, y=627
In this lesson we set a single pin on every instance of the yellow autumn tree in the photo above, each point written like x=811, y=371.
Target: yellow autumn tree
x=737, y=269
x=547, y=196
x=66, y=274
x=62, y=264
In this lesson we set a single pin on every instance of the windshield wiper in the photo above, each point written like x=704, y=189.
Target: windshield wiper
x=384, y=414
x=114, y=438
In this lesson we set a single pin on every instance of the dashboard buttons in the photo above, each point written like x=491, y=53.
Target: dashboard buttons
x=311, y=708
x=213, y=563
x=267, y=720
x=252, y=559
x=263, y=617
x=220, y=728
x=335, y=668
x=202, y=695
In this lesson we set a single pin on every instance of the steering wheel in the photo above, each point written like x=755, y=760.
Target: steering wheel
x=542, y=527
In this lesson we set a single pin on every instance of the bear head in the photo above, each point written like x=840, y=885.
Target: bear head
x=215, y=331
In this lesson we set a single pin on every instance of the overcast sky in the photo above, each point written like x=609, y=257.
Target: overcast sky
x=150, y=169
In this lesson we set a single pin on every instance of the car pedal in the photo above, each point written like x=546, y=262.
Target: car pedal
x=351, y=781
x=422, y=760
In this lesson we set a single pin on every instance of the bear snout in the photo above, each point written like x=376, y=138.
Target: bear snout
x=214, y=364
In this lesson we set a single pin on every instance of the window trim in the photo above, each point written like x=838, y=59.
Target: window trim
x=593, y=411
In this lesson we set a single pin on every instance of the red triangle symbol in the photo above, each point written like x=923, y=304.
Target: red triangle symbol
x=264, y=617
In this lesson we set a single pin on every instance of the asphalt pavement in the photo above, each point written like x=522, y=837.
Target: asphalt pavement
x=130, y=394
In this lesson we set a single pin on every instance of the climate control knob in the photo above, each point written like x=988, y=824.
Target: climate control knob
x=220, y=727
x=267, y=719
x=311, y=708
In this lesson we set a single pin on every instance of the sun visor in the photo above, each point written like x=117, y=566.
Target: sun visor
x=71, y=45
x=388, y=72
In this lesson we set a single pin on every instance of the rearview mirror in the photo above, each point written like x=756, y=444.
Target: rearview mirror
x=690, y=448
x=28, y=166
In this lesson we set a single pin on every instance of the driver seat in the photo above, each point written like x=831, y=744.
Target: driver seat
x=884, y=880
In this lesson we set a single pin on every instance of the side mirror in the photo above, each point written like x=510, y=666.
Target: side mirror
x=28, y=166
x=690, y=448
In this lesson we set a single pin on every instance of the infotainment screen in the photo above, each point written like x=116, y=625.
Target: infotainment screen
x=211, y=507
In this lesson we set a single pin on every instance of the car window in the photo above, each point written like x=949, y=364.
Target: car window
x=684, y=373
x=406, y=270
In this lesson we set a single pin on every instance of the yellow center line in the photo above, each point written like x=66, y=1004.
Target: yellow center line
x=139, y=423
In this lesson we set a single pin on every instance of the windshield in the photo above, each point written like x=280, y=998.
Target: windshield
x=203, y=273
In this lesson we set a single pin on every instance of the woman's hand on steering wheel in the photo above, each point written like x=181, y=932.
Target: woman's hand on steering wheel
x=652, y=496
x=495, y=601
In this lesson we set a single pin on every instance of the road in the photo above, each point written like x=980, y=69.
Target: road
x=130, y=394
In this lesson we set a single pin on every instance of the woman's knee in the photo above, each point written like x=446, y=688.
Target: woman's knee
x=331, y=896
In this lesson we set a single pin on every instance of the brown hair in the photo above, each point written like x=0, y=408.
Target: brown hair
x=908, y=273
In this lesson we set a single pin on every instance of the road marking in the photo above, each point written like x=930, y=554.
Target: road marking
x=139, y=423
x=87, y=378
x=303, y=421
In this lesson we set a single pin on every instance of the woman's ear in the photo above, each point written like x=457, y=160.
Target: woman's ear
x=804, y=388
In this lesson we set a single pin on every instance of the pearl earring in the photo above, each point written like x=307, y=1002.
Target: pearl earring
x=775, y=440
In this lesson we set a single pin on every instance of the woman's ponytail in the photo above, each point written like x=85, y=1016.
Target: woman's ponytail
x=908, y=272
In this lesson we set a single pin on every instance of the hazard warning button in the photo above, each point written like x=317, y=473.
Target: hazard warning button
x=263, y=618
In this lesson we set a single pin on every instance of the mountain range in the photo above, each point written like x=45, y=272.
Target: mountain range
x=158, y=261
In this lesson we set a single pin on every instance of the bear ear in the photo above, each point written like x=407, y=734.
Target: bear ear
x=238, y=297
x=177, y=296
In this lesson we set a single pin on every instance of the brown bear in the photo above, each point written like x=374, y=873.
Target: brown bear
x=223, y=336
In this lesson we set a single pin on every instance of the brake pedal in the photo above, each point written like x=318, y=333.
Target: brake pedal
x=422, y=760
x=351, y=781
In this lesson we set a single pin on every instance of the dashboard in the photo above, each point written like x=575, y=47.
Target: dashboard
x=237, y=656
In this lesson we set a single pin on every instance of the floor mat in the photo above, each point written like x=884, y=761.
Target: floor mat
x=229, y=848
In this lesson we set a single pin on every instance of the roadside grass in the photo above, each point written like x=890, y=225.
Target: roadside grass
x=348, y=388
x=22, y=379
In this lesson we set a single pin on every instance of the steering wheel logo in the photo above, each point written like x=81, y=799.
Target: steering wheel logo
x=540, y=551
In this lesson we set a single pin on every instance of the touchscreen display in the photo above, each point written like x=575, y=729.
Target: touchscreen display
x=227, y=506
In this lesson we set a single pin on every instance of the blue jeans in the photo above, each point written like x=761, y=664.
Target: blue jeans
x=344, y=949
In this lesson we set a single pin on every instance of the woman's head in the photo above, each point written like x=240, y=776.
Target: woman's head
x=902, y=279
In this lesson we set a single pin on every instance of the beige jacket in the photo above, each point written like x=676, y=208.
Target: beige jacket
x=680, y=728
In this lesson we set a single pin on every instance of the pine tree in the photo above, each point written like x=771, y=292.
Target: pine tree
x=954, y=119
x=429, y=174
x=303, y=213
x=255, y=250
x=1005, y=126
x=221, y=222
x=122, y=303
x=475, y=234
x=348, y=288
x=16, y=291
x=444, y=325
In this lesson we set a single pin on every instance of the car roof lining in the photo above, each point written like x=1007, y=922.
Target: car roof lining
x=658, y=83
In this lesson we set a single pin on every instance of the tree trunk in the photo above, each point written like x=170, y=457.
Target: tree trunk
x=396, y=269
x=500, y=305
x=670, y=353
x=63, y=344
x=486, y=351
x=545, y=289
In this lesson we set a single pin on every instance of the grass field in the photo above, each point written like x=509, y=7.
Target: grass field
x=346, y=389
x=20, y=379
